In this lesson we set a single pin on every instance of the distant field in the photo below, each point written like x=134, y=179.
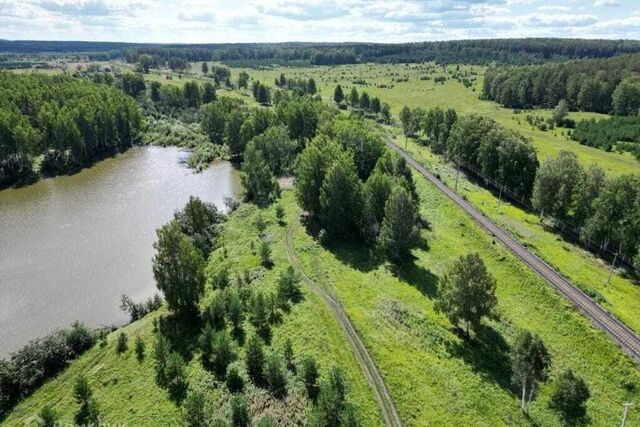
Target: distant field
x=450, y=94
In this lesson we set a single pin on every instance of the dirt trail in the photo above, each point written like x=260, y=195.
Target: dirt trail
x=367, y=364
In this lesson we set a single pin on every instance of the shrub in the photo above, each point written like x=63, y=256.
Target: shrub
x=193, y=410
x=235, y=383
x=122, y=344
x=139, y=349
x=48, y=417
x=239, y=412
x=275, y=377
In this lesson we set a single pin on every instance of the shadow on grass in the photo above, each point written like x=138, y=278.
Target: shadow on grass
x=417, y=276
x=182, y=332
x=487, y=353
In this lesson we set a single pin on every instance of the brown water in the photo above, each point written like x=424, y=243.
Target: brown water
x=70, y=246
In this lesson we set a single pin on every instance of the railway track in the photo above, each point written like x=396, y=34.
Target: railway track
x=369, y=368
x=621, y=334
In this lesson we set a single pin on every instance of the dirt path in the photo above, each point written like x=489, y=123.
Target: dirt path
x=367, y=364
x=621, y=334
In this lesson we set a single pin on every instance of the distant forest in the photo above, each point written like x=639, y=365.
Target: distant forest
x=609, y=85
x=483, y=52
x=67, y=122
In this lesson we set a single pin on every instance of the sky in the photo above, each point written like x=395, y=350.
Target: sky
x=386, y=21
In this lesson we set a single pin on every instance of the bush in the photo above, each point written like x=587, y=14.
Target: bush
x=275, y=377
x=239, y=412
x=79, y=339
x=194, y=411
x=235, y=383
x=139, y=349
x=122, y=343
x=48, y=417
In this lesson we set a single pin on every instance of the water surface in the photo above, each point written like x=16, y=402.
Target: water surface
x=70, y=246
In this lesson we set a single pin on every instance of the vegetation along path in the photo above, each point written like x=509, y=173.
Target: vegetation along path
x=387, y=408
x=629, y=341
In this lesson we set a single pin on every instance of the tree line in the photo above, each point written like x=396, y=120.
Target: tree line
x=603, y=210
x=601, y=85
x=478, y=144
x=67, y=122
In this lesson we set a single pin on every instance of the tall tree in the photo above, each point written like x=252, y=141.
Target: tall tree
x=399, y=231
x=467, y=292
x=205, y=68
x=530, y=363
x=554, y=185
x=341, y=199
x=178, y=268
x=259, y=182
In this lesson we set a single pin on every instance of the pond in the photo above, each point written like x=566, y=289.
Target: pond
x=70, y=246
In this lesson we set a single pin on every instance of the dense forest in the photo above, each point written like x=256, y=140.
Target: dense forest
x=67, y=122
x=618, y=132
x=503, y=51
x=602, y=85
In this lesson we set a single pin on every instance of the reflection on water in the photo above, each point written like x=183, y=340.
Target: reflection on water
x=71, y=245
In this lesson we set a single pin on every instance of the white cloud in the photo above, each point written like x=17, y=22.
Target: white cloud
x=207, y=21
x=608, y=3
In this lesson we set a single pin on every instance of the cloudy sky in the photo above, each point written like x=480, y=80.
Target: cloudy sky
x=214, y=21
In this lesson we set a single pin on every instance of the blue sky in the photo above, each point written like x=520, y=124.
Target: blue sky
x=215, y=21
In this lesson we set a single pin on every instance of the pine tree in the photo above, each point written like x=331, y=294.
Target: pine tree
x=338, y=94
x=341, y=200
x=254, y=360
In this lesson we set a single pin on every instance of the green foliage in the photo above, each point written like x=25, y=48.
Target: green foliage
x=569, y=398
x=88, y=413
x=276, y=148
x=615, y=132
x=223, y=353
x=289, y=289
x=235, y=382
x=140, y=347
x=310, y=377
x=194, y=409
x=178, y=268
x=467, y=292
x=239, y=412
x=122, y=343
x=332, y=409
x=554, y=186
x=48, y=417
x=175, y=375
x=261, y=186
x=313, y=165
x=265, y=254
x=530, y=362
x=338, y=94
x=255, y=360
x=341, y=199
x=399, y=231
x=200, y=221
x=275, y=376
x=69, y=121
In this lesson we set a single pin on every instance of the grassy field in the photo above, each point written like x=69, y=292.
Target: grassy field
x=434, y=377
x=126, y=390
x=450, y=94
x=620, y=295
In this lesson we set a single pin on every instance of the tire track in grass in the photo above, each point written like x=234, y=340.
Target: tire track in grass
x=368, y=366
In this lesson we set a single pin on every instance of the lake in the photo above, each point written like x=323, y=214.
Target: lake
x=70, y=246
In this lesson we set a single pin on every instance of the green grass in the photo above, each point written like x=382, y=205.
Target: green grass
x=434, y=377
x=621, y=295
x=126, y=390
x=451, y=94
